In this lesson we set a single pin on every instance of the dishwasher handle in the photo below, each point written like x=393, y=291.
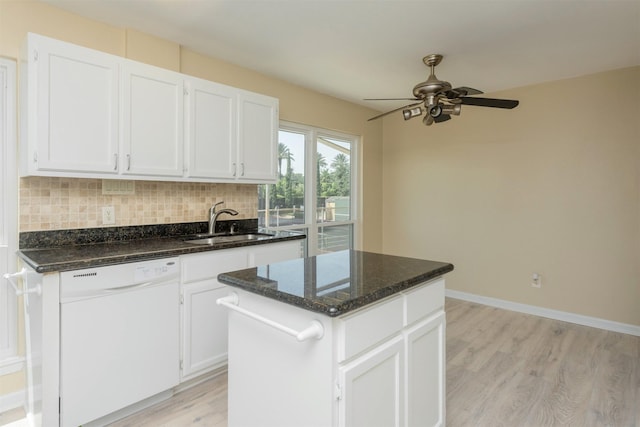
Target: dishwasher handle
x=314, y=330
x=137, y=285
x=66, y=297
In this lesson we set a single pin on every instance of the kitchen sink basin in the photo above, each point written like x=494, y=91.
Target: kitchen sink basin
x=212, y=240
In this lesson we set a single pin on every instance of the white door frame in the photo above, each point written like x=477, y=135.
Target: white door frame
x=9, y=362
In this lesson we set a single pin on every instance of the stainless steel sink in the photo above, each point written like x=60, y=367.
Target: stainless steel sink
x=212, y=240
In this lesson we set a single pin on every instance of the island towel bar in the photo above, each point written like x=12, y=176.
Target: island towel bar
x=314, y=330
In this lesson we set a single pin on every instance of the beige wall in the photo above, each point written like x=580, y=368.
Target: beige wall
x=56, y=203
x=551, y=187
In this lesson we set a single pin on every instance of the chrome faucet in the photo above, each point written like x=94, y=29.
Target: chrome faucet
x=213, y=216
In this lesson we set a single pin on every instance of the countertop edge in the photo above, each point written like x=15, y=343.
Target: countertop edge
x=339, y=309
x=180, y=248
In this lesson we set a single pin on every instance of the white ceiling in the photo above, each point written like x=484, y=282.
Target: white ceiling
x=373, y=49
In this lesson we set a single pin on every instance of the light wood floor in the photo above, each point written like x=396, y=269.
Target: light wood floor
x=503, y=369
x=511, y=369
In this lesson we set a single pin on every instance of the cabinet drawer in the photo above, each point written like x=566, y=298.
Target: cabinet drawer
x=368, y=327
x=208, y=265
x=424, y=300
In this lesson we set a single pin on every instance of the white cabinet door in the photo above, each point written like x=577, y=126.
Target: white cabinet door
x=204, y=324
x=425, y=403
x=205, y=328
x=257, y=137
x=373, y=387
x=73, y=116
x=211, y=129
x=152, y=120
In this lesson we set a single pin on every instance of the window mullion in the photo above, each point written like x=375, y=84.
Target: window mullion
x=311, y=212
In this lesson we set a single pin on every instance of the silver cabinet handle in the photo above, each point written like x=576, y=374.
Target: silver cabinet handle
x=128, y=161
x=115, y=158
x=241, y=169
x=234, y=169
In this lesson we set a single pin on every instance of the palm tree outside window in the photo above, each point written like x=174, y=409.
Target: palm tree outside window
x=317, y=169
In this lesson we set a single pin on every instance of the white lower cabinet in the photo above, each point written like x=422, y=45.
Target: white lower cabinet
x=382, y=365
x=401, y=381
x=426, y=364
x=204, y=323
x=373, y=387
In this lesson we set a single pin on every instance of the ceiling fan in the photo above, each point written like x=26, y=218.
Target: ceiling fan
x=439, y=100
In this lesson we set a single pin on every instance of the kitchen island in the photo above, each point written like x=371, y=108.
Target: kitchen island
x=348, y=338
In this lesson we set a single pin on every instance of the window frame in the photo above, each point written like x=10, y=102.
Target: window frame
x=311, y=225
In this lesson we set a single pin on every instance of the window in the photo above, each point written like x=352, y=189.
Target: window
x=316, y=192
x=8, y=218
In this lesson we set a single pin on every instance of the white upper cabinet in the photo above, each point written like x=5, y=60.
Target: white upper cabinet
x=257, y=139
x=71, y=123
x=89, y=114
x=211, y=129
x=232, y=134
x=152, y=120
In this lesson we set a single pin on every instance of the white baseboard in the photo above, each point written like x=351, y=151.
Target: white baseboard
x=13, y=400
x=130, y=410
x=153, y=400
x=564, y=316
x=20, y=423
x=17, y=399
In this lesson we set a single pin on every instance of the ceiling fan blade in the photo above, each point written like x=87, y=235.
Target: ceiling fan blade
x=392, y=99
x=393, y=111
x=442, y=118
x=469, y=90
x=490, y=102
x=461, y=91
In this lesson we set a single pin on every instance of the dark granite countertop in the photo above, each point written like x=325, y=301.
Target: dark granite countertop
x=78, y=249
x=336, y=283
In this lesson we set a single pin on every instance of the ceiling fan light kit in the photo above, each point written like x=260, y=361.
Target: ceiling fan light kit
x=410, y=113
x=439, y=100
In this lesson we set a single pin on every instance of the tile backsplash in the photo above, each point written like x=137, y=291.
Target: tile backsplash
x=67, y=203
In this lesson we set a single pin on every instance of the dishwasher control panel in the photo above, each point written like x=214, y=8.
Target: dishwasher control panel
x=155, y=270
x=79, y=283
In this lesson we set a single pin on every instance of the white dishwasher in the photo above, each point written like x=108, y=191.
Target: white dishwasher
x=119, y=337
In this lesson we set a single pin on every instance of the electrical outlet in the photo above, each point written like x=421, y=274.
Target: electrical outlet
x=108, y=215
x=536, y=280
